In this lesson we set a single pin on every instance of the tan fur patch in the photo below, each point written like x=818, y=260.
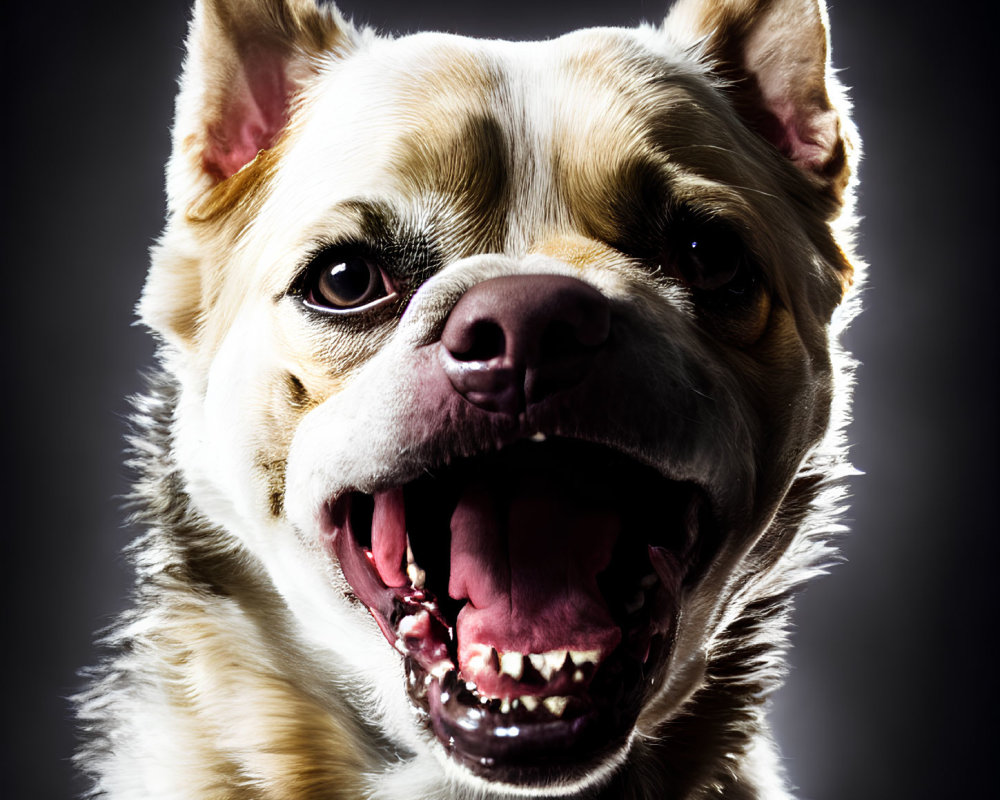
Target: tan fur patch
x=261, y=734
x=181, y=289
x=274, y=475
x=455, y=156
x=243, y=192
x=577, y=251
x=298, y=395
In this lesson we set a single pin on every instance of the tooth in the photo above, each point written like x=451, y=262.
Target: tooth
x=470, y=686
x=581, y=657
x=505, y=706
x=494, y=658
x=412, y=623
x=538, y=437
x=478, y=657
x=578, y=676
x=548, y=663
x=512, y=664
x=556, y=705
x=416, y=575
x=475, y=663
x=530, y=702
x=554, y=661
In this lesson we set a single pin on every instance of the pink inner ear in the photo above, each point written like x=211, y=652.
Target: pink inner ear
x=253, y=114
x=807, y=136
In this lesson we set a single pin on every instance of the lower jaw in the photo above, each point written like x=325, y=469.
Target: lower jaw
x=534, y=741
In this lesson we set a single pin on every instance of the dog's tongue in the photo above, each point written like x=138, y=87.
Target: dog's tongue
x=527, y=562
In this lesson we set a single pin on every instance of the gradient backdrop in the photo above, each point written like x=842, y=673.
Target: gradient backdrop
x=890, y=694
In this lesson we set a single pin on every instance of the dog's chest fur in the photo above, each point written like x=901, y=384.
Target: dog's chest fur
x=440, y=319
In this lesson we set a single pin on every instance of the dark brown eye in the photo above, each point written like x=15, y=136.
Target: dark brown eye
x=345, y=283
x=708, y=255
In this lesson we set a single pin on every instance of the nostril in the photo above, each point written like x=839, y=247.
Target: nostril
x=483, y=340
x=560, y=340
x=515, y=340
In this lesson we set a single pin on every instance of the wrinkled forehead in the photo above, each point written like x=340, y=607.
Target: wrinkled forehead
x=491, y=143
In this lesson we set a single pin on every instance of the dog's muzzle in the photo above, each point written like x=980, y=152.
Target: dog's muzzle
x=532, y=585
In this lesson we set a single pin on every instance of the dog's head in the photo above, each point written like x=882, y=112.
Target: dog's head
x=509, y=363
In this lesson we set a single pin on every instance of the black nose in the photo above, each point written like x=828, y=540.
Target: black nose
x=518, y=339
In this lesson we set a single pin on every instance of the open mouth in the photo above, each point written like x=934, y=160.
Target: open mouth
x=533, y=592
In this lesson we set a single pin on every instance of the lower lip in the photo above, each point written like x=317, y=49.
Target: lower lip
x=518, y=743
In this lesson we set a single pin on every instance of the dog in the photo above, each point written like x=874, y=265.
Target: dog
x=499, y=409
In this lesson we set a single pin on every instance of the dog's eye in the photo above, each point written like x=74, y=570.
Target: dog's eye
x=345, y=283
x=709, y=257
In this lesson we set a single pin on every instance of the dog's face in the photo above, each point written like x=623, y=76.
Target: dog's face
x=501, y=358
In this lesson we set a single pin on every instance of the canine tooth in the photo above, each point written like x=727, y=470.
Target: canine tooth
x=581, y=657
x=578, y=676
x=512, y=664
x=530, y=702
x=556, y=705
x=416, y=575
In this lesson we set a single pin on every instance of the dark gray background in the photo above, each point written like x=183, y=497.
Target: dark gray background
x=891, y=694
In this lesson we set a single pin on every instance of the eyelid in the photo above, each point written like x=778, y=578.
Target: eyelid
x=305, y=286
x=377, y=303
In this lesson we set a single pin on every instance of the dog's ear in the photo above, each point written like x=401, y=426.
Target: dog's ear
x=246, y=62
x=775, y=57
